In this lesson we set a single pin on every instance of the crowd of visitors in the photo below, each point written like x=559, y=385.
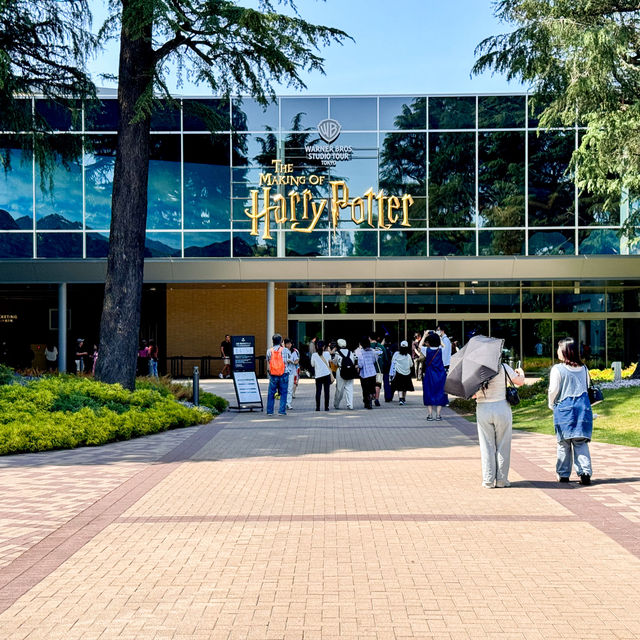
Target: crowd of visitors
x=384, y=371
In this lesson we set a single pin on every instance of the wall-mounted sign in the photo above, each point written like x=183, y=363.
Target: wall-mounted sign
x=8, y=318
x=302, y=211
x=328, y=154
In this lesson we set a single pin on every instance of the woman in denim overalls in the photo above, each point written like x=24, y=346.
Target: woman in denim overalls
x=572, y=416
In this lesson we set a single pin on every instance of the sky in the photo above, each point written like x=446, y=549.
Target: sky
x=399, y=47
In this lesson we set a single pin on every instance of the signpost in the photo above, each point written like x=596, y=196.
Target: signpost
x=243, y=371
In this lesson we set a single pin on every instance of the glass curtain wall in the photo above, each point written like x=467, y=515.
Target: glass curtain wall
x=483, y=180
x=530, y=316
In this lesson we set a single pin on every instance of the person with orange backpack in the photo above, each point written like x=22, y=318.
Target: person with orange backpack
x=277, y=359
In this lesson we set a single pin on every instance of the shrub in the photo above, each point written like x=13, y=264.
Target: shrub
x=7, y=374
x=64, y=411
x=218, y=404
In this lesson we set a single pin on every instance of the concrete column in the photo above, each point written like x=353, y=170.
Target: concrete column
x=271, y=311
x=62, y=327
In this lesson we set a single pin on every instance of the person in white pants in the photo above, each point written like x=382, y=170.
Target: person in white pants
x=493, y=415
x=344, y=388
x=291, y=368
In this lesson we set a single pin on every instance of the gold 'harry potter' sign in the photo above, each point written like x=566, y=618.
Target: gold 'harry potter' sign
x=300, y=209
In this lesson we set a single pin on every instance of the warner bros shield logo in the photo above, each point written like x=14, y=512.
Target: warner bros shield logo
x=329, y=130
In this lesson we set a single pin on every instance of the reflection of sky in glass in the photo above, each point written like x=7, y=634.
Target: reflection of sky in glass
x=16, y=190
x=159, y=245
x=207, y=245
x=164, y=195
x=392, y=113
x=355, y=113
x=312, y=111
x=98, y=187
x=256, y=117
x=206, y=196
x=255, y=150
x=61, y=206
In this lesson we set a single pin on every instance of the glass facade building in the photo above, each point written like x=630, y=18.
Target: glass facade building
x=487, y=191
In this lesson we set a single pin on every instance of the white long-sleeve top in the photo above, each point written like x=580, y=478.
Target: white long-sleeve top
x=320, y=364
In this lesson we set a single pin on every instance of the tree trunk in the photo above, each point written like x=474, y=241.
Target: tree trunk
x=120, y=325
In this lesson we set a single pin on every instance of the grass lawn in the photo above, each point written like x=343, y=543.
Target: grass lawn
x=618, y=419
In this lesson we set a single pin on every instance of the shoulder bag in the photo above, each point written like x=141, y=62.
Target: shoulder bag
x=511, y=393
x=595, y=393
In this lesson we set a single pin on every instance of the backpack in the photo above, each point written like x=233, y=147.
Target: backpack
x=348, y=370
x=276, y=363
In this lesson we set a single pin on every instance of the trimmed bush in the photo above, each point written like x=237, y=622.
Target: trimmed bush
x=63, y=412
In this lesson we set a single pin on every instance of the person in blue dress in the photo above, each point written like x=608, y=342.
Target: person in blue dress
x=434, y=375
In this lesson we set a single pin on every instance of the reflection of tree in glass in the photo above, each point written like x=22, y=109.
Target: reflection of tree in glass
x=452, y=165
x=551, y=186
x=163, y=208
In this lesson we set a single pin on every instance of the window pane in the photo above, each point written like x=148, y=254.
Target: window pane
x=452, y=243
x=577, y=300
x=99, y=161
x=361, y=172
x=421, y=300
x=161, y=245
x=509, y=331
x=501, y=243
x=207, y=245
x=59, y=245
x=59, y=205
x=592, y=211
x=18, y=117
x=102, y=116
x=537, y=344
x=305, y=301
x=623, y=299
x=359, y=114
x=536, y=300
x=354, y=243
x=164, y=189
x=16, y=245
x=403, y=163
x=505, y=300
x=403, y=243
x=501, y=169
x=298, y=114
x=249, y=115
x=255, y=150
x=390, y=301
x=403, y=113
x=165, y=117
x=205, y=115
x=315, y=243
x=551, y=242
x=248, y=246
x=59, y=115
x=16, y=185
x=452, y=113
x=467, y=299
x=452, y=183
x=207, y=187
x=340, y=301
x=615, y=340
x=97, y=245
x=501, y=112
x=551, y=188
x=599, y=241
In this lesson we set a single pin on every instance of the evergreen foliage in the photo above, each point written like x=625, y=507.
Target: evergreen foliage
x=582, y=59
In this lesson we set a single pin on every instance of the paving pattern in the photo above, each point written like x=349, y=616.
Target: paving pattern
x=346, y=524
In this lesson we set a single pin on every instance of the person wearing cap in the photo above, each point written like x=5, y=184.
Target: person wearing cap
x=344, y=388
x=400, y=372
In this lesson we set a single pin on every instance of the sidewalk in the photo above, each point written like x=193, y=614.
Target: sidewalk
x=346, y=524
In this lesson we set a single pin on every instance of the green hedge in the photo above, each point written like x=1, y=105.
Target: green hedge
x=63, y=412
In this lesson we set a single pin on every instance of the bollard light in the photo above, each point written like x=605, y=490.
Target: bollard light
x=196, y=386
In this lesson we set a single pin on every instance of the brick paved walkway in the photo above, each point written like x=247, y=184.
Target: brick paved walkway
x=347, y=524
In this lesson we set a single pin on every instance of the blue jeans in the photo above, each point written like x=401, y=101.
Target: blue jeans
x=278, y=384
x=153, y=368
x=581, y=457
